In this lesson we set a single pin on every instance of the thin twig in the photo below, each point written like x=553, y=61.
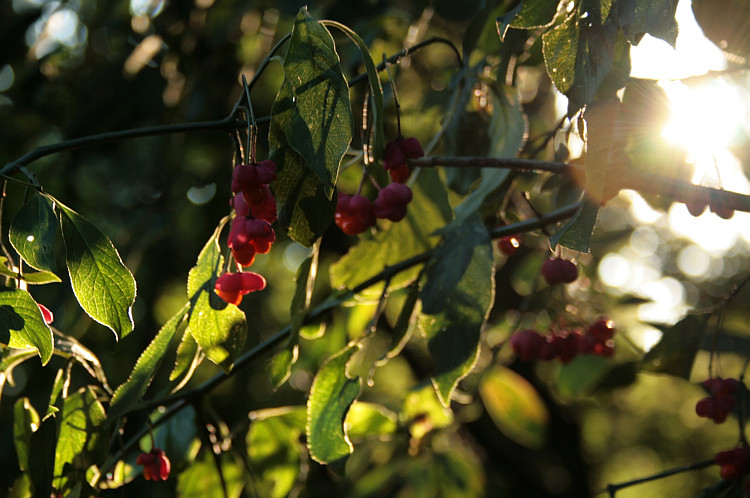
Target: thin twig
x=612, y=489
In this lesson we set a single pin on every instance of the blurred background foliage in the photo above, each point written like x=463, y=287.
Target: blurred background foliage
x=76, y=68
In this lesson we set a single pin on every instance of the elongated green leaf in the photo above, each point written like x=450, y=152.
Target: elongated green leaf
x=304, y=209
x=428, y=211
x=424, y=411
x=104, y=287
x=503, y=22
x=25, y=422
x=456, y=300
x=560, y=45
x=331, y=395
x=274, y=449
x=405, y=324
x=132, y=390
x=321, y=125
x=515, y=406
x=201, y=479
x=81, y=439
x=378, y=140
x=22, y=325
x=33, y=278
x=675, y=353
x=188, y=358
x=576, y=233
x=219, y=328
x=32, y=233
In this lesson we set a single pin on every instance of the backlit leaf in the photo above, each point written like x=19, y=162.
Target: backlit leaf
x=32, y=278
x=456, y=299
x=305, y=210
x=104, y=287
x=369, y=419
x=32, y=233
x=331, y=395
x=25, y=422
x=275, y=450
x=81, y=439
x=535, y=14
x=201, y=479
x=321, y=124
x=515, y=406
x=132, y=390
x=218, y=327
x=22, y=325
x=576, y=233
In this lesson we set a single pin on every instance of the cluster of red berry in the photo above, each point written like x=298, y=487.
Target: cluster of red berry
x=567, y=343
x=559, y=271
x=356, y=213
x=509, y=244
x=156, y=465
x=251, y=233
x=722, y=400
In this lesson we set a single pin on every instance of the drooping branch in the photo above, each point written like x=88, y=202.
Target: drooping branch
x=189, y=397
x=643, y=182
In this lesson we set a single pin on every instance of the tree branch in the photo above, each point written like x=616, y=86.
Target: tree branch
x=612, y=489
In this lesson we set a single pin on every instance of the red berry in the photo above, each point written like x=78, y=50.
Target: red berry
x=392, y=201
x=399, y=174
x=156, y=465
x=526, y=344
x=248, y=236
x=558, y=270
x=46, y=314
x=696, y=207
x=721, y=211
x=571, y=343
x=354, y=214
x=399, y=150
x=706, y=407
x=232, y=286
x=509, y=244
x=733, y=462
x=549, y=349
x=602, y=329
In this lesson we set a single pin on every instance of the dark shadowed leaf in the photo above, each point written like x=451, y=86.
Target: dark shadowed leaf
x=535, y=14
x=42, y=457
x=456, y=298
x=576, y=233
x=104, y=287
x=22, y=325
x=655, y=17
x=25, y=422
x=675, y=353
x=331, y=395
x=219, y=328
x=32, y=233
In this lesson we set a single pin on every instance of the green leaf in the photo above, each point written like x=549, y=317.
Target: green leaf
x=535, y=14
x=424, y=411
x=81, y=440
x=188, y=358
x=331, y=395
x=655, y=17
x=42, y=457
x=22, y=325
x=507, y=131
x=376, y=110
x=25, y=422
x=305, y=211
x=456, y=300
x=560, y=45
x=281, y=363
x=515, y=406
x=428, y=211
x=675, y=353
x=274, y=449
x=201, y=479
x=132, y=390
x=405, y=324
x=33, y=278
x=219, y=328
x=104, y=287
x=576, y=233
x=370, y=419
x=582, y=375
x=321, y=125
x=32, y=233
x=178, y=436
